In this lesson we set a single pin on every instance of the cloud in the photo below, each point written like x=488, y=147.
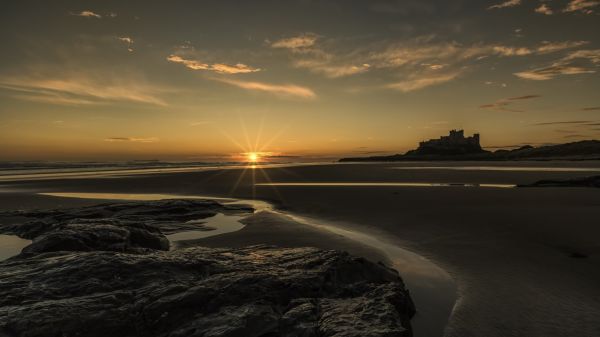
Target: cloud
x=331, y=70
x=289, y=90
x=568, y=65
x=220, y=68
x=551, y=47
x=593, y=108
x=544, y=9
x=132, y=139
x=546, y=47
x=592, y=55
x=583, y=6
x=128, y=41
x=299, y=42
x=509, y=3
x=417, y=82
x=88, y=14
x=503, y=104
x=562, y=123
x=511, y=51
x=550, y=72
x=80, y=89
x=520, y=98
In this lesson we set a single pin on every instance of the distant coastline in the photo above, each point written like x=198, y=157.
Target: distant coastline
x=456, y=147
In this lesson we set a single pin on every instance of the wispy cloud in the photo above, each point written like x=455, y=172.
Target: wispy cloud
x=546, y=47
x=128, y=40
x=503, y=104
x=132, y=139
x=509, y=3
x=87, y=14
x=550, y=47
x=288, y=90
x=544, y=9
x=220, y=68
x=564, y=66
x=550, y=72
x=562, y=122
x=324, y=66
x=416, y=82
x=295, y=43
x=593, y=108
x=80, y=89
x=584, y=6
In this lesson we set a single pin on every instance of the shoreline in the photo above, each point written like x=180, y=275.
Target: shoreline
x=432, y=288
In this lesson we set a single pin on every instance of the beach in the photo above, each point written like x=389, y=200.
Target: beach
x=521, y=261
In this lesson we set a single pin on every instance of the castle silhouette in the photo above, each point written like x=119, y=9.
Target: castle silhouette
x=454, y=143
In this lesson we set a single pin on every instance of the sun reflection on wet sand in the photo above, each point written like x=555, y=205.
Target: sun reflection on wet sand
x=385, y=184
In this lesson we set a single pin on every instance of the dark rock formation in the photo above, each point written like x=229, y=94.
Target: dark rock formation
x=254, y=291
x=102, y=271
x=593, y=181
x=127, y=226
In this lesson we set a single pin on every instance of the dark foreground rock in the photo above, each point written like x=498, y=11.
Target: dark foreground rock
x=106, y=271
x=254, y=291
x=121, y=227
x=577, y=182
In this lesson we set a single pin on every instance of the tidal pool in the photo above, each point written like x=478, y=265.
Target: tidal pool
x=11, y=245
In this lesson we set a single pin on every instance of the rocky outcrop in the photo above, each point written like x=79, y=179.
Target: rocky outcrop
x=254, y=291
x=102, y=271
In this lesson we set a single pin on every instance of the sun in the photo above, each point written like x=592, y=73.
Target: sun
x=253, y=157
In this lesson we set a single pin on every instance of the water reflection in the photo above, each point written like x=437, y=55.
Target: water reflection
x=218, y=224
x=11, y=245
x=501, y=168
x=386, y=184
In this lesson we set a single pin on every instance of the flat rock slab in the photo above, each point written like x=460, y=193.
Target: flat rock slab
x=252, y=291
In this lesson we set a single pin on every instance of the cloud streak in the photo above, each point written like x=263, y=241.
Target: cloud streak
x=88, y=14
x=286, y=90
x=80, y=89
x=584, y=6
x=132, y=139
x=506, y=4
x=296, y=43
x=544, y=9
x=417, y=82
x=219, y=68
x=503, y=104
x=568, y=65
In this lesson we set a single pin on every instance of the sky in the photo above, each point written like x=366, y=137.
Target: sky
x=211, y=80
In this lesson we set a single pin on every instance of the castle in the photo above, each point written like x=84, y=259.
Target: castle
x=453, y=144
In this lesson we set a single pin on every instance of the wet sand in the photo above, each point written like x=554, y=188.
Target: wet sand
x=525, y=260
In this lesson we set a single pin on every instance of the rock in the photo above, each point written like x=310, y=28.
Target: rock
x=106, y=270
x=593, y=181
x=252, y=291
x=123, y=227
